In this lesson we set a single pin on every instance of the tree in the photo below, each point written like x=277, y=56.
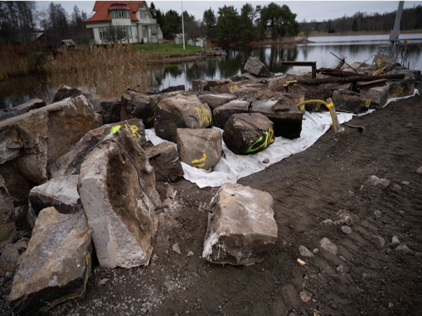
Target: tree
x=307, y=31
x=171, y=25
x=246, y=27
x=17, y=22
x=278, y=20
x=227, y=24
x=153, y=10
x=192, y=27
x=209, y=23
x=57, y=21
x=355, y=25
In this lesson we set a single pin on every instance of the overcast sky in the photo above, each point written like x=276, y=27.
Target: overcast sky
x=309, y=10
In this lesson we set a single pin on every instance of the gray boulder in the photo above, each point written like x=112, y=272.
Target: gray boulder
x=216, y=100
x=11, y=255
x=181, y=111
x=60, y=192
x=222, y=114
x=70, y=163
x=199, y=148
x=255, y=67
x=110, y=110
x=205, y=85
x=245, y=85
x=56, y=266
x=377, y=95
x=351, y=102
x=21, y=109
x=7, y=224
x=401, y=88
x=245, y=77
x=384, y=61
x=241, y=226
x=165, y=160
x=31, y=142
x=120, y=211
x=247, y=134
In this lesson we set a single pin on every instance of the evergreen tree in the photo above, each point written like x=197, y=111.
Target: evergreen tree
x=209, y=21
x=246, y=27
x=171, y=25
x=280, y=21
x=227, y=24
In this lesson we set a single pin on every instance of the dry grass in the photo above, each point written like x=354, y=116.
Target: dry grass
x=17, y=60
x=104, y=71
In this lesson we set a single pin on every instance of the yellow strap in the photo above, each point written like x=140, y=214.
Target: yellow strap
x=329, y=105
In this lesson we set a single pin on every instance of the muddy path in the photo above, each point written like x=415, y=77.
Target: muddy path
x=325, y=181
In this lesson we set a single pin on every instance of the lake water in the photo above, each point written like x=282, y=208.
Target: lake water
x=354, y=48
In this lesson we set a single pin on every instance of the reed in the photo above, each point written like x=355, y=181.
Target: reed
x=106, y=71
x=18, y=60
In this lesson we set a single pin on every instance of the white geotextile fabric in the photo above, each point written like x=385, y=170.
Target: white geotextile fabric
x=234, y=167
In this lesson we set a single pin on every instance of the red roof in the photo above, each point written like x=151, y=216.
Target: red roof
x=102, y=10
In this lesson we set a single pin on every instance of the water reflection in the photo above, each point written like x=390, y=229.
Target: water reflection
x=16, y=91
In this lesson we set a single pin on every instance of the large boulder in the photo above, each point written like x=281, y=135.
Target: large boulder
x=31, y=142
x=232, y=87
x=215, y=100
x=222, y=114
x=181, y=111
x=377, y=95
x=247, y=134
x=140, y=106
x=165, y=160
x=349, y=101
x=382, y=61
x=60, y=192
x=199, y=148
x=119, y=202
x=56, y=266
x=255, y=67
x=241, y=226
x=244, y=77
x=180, y=87
x=70, y=163
x=205, y=85
x=277, y=84
x=65, y=92
x=401, y=88
x=312, y=92
x=7, y=224
x=287, y=118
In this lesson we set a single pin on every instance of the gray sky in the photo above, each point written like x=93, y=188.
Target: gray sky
x=318, y=10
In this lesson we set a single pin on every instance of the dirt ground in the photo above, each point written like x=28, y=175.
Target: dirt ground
x=365, y=278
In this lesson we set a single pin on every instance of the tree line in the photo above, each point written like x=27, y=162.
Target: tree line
x=228, y=25
x=362, y=22
x=20, y=22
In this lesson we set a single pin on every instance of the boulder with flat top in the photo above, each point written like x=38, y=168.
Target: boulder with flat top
x=255, y=67
x=248, y=133
x=351, y=102
x=60, y=192
x=222, y=114
x=119, y=199
x=401, y=88
x=377, y=95
x=199, y=148
x=56, y=265
x=181, y=111
x=165, y=160
x=241, y=226
x=216, y=100
x=138, y=105
x=205, y=85
x=312, y=92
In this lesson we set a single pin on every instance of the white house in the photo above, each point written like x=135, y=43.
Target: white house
x=132, y=19
x=200, y=41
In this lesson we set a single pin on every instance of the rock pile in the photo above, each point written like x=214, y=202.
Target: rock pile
x=81, y=169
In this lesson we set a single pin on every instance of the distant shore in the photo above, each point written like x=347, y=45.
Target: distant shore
x=317, y=34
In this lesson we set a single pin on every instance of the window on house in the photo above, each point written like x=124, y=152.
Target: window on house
x=154, y=29
x=102, y=32
x=143, y=15
x=121, y=14
x=127, y=14
x=123, y=30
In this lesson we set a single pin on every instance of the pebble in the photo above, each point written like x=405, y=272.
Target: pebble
x=103, y=281
x=395, y=240
x=405, y=182
x=346, y=229
x=190, y=254
x=390, y=305
x=305, y=296
x=328, y=246
x=176, y=248
x=304, y=252
x=266, y=160
x=301, y=262
x=403, y=248
x=419, y=170
x=315, y=251
x=377, y=213
x=374, y=180
x=379, y=241
x=327, y=222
